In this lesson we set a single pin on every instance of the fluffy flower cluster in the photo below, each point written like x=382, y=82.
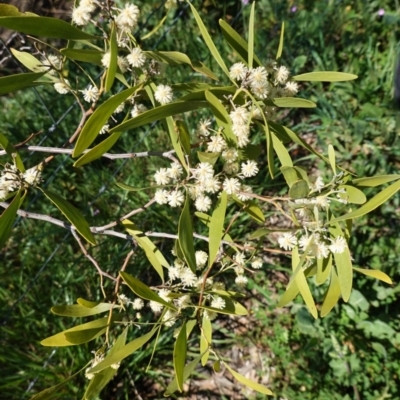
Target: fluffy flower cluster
x=81, y=14
x=316, y=245
x=12, y=179
x=264, y=82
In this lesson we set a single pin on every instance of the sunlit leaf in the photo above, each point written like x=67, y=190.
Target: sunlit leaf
x=84, y=55
x=251, y=36
x=237, y=42
x=280, y=47
x=205, y=338
x=247, y=382
x=372, y=204
x=324, y=266
x=123, y=352
x=216, y=228
x=175, y=140
x=97, y=120
x=259, y=233
x=373, y=181
x=180, y=356
x=12, y=153
x=7, y=219
x=155, y=257
x=112, y=68
x=281, y=151
x=221, y=116
x=325, y=76
x=332, y=295
x=332, y=158
x=100, y=380
x=143, y=291
x=78, y=334
x=189, y=368
x=352, y=195
x=210, y=158
x=158, y=113
x=209, y=42
x=293, y=102
x=185, y=234
x=343, y=264
x=375, y=273
x=77, y=310
x=72, y=214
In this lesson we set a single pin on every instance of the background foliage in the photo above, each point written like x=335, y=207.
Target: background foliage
x=354, y=352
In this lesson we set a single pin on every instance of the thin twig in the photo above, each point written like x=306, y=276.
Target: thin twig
x=58, y=150
x=93, y=261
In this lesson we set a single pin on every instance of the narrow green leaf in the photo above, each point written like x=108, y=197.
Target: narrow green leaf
x=45, y=27
x=293, y=102
x=232, y=307
x=343, y=265
x=98, y=150
x=113, y=49
x=375, y=273
x=101, y=379
x=10, y=150
x=77, y=310
x=7, y=219
x=184, y=136
x=281, y=152
x=374, y=181
x=189, y=368
x=237, y=42
x=50, y=393
x=143, y=291
x=123, y=352
x=176, y=144
x=332, y=295
x=12, y=83
x=33, y=64
x=155, y=29
x=177, y=58
x=259, y=233
x=97, y=120
x=216, y=228
x=280, y=47
x=352, y=195
x=185, y=234
x=303, y=287
x=251, y=36
x=324, y=266
x=221, y=116
x=332, y=158
x=204, y=218
x=78, y=334
x=158, y=113
x=251, y=208
x=87, y=303
x=270, y=150
x=372, y=204
x=207, y=38
x=247, y=382
x=72, y=214
x=325, y=76
x=205, y=339
x=154, y=255
x=84, y=55
x=180, y=356
x=284, y=131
